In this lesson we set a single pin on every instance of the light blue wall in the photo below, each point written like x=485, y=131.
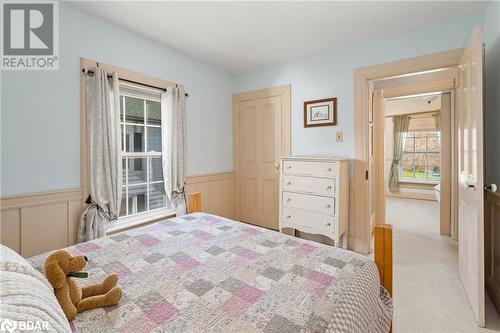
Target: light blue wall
x=491, y=29
x=330, y=74
x=40, y=110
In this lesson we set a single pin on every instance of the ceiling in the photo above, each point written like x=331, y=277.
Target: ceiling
x=241, y=36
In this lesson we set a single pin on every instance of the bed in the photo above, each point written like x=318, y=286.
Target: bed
x=204, y=273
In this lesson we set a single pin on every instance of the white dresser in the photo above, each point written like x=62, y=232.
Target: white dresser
x=314, y=196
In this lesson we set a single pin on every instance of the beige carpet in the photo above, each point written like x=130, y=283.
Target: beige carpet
x=428, y=295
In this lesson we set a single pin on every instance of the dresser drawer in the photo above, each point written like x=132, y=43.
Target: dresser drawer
x=319, y=186
x=308, y=221
x=324, y=205
x=317, y=169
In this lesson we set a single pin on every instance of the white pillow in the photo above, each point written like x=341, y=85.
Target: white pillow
x=27, y=300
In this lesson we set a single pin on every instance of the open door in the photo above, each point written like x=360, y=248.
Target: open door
x=471, y=183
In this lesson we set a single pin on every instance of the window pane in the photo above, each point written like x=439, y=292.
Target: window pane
x=156, y=196
x=420, y=143
x=434, y=173
x=122, y=128
x=154, y=139
x=155, y=171
x=153, y=113
x=134, y=110
x=137, y=199
x=409, y=144
x=433, y=142
x=124, y=171
x=408, y=159
x=134, y=138
x=121, y=108
x=408, y=172
x=137, y=170
x=433, y=159
x=123, y=207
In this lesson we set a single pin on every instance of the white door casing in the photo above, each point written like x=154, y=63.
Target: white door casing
x=470, y=168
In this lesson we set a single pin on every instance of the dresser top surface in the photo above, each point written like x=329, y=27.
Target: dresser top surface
x=315, y=158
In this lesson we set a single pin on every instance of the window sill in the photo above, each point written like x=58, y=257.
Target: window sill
x=134, y=221
x=423, y=182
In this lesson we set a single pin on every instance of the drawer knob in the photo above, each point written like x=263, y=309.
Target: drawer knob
x=328, y=206
x=289, y=167
x=329, y=169
x=289, y=183
x=288, y=217
x=328, y=187
x=288, y=200
x=328, y=224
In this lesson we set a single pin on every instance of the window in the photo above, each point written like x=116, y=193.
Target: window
x=421, y=157
x=140, y=119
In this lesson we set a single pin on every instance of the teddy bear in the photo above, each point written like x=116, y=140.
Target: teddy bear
x=60, y=266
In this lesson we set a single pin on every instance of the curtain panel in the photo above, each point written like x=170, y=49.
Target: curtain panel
x=174, y=146
x=400, y=124
x=102, y=107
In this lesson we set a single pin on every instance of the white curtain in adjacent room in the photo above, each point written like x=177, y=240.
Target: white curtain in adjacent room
x=174, y=146
x=102, y=106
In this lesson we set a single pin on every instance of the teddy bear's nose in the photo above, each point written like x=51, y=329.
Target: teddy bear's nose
x=85, y=257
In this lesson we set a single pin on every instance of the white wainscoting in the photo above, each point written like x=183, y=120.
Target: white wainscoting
x=35, y=223
x=217, y=193
x=492, y=246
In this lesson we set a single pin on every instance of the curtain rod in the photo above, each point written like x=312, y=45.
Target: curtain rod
x=86, y=71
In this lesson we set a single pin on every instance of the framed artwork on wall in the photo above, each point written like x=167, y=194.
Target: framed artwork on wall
x=320, y=112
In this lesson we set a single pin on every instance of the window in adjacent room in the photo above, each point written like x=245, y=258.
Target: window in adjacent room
x=421, y=157
x=140, y=119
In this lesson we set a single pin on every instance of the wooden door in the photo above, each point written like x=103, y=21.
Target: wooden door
x=262, y=137
x=471, y=183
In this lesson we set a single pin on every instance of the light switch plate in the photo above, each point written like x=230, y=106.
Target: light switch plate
x=340, y=136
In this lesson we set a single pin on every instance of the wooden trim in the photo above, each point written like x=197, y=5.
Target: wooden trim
x=194, y=202
x=334, y=102
x=38, y=198
x=361, y=79
x=285, y=93
x=422, y=88
x=383, y=254
x=209, y=177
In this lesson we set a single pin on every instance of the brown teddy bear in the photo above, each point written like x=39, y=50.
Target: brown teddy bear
x=59, y=266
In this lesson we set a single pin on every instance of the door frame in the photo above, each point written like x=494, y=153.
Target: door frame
x=448, y=151
x=285, y=92
x=359, y=192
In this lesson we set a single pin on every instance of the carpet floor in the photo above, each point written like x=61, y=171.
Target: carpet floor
x=428, y=294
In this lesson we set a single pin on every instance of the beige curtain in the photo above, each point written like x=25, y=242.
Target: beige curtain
x=400, y=124
x=174, y=146
x=102, y=106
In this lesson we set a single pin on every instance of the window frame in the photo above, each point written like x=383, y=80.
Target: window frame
x=148, y=156
x=426, y=152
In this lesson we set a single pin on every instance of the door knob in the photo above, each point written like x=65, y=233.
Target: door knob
x=492, y=188
x=277, y=166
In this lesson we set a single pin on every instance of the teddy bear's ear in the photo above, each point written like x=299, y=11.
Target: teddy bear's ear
x=55, y=274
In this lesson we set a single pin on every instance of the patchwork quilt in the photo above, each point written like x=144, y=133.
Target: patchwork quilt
x=203, y=273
